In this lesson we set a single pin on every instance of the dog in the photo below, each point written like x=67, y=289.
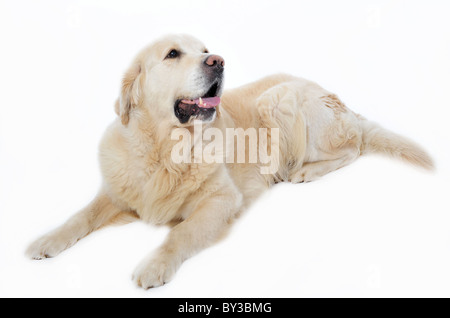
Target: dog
x=176, y=85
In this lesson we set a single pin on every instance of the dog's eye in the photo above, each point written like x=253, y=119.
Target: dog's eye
x=206, y=51
x=173, y=54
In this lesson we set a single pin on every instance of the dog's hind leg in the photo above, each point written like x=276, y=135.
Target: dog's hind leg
x=99, y=212
x=313, y=170
x=280, y=107
x=335, y=138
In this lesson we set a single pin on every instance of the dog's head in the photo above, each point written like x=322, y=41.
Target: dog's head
x=175, y=78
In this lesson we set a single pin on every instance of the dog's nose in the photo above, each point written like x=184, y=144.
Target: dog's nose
x=215, y=61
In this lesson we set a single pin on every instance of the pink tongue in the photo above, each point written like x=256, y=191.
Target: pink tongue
x=207, y=102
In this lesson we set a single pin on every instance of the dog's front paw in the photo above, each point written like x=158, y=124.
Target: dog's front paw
x=154, y=272
x=47, y=246
x=303, y=175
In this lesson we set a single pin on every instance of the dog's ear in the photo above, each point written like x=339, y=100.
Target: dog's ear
x=130, y=94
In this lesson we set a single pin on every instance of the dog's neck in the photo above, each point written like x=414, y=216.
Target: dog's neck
x=156, y=140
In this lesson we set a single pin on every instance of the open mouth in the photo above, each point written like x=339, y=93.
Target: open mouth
x=202, y=108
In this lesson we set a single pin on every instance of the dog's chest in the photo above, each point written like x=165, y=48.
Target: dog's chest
x=151, y=188
x=147, y=180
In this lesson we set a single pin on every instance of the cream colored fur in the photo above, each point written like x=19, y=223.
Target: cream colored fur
x=318, y=134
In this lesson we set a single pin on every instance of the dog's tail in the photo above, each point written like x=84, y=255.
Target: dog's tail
x=376, y=139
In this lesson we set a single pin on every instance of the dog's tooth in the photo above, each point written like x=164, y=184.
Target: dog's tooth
x=200, y=101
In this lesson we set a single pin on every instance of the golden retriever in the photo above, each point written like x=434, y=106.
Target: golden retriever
x=174, y=84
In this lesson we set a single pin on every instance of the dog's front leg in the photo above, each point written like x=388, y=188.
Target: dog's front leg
x=96, y=214
x=201, y=229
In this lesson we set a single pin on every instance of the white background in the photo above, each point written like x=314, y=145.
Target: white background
x=376, y=228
